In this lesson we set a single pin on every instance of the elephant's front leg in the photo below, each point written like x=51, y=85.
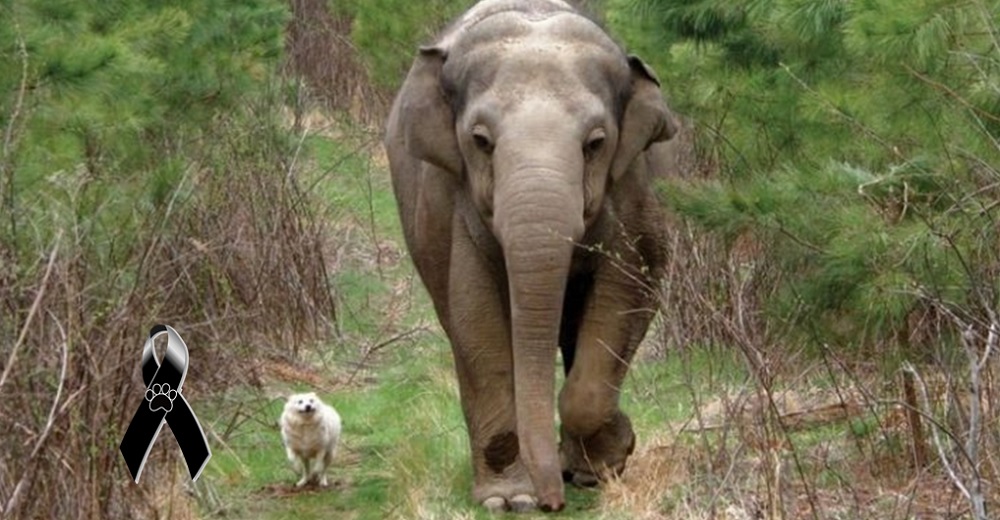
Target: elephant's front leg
x=596, y=436
x=480, y=336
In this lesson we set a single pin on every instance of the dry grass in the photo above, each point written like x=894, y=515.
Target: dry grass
x=659, y=466
x=812, y=458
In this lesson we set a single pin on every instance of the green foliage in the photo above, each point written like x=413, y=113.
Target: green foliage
x=856, y=141
x=104, y=99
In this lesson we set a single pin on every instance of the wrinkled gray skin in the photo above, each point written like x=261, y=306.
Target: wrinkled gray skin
x=522, y=145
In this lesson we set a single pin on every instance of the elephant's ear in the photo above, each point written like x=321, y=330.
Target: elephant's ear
x=646, y=120
x=425, y=116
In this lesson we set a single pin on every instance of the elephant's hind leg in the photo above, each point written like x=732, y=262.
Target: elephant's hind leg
x=480, y=335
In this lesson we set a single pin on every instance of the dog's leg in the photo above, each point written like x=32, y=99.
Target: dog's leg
x=324, y=464
x=312, y=466
x=322, y=473
x=296, y=464
x=301, y=467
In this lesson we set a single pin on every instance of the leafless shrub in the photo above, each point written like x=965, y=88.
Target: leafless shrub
x=249, y=263
x=712, y=291
x=319, y=50
x=234, y=259
x=763, y=448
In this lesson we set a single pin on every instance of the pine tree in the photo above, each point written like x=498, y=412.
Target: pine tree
x=112, y=93
x=858, y=142
x=856, y=146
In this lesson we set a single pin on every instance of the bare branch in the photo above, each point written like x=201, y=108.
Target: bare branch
x=31, y=313
x=15, y=497
x=942, y=455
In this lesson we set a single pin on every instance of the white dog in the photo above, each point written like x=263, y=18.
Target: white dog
x=310, y=429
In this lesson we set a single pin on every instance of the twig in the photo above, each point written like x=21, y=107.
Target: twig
x=232, y=422
x=241, y=417
x=942, y=456
x=814, y=417
x=6, y=171
x=31, y=313
x=975, y=420
x=370, y=200
x=15, y=497
x=383, y=344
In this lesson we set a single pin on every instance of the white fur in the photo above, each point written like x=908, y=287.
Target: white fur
x=310, y=437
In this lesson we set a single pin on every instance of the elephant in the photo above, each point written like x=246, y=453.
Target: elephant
x=522, y=146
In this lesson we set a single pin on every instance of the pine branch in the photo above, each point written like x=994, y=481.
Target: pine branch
x=894, y=150
x=951, y=93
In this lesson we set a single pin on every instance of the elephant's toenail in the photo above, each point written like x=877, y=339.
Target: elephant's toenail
x=495, y=504
x=523, y=503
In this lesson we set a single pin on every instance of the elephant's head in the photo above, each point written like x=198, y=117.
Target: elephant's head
x=539, y=117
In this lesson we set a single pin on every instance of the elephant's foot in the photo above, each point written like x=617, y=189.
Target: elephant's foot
x=588, y=460
x=510, y=491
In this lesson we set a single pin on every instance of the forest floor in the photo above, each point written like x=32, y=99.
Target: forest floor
x=708, y=444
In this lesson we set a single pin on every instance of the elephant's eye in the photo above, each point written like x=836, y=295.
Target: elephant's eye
x=481, y=136
x=593, y=144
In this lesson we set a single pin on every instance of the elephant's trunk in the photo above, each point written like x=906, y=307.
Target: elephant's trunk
x=538, y=217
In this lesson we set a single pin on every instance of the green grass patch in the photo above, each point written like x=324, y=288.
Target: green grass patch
x=356, y=189
x=664, y=391
x=394, y=433
x=404, y=449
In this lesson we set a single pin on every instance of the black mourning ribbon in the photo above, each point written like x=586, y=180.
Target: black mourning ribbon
x=163, y=402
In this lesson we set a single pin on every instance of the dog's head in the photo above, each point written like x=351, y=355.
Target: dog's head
x=304, y=404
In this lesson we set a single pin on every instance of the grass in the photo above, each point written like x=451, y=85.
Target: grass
x=255, y=478
x=404, y=451
x=706, y=446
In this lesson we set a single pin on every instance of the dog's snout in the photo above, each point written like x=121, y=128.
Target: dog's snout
x=309, y=407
